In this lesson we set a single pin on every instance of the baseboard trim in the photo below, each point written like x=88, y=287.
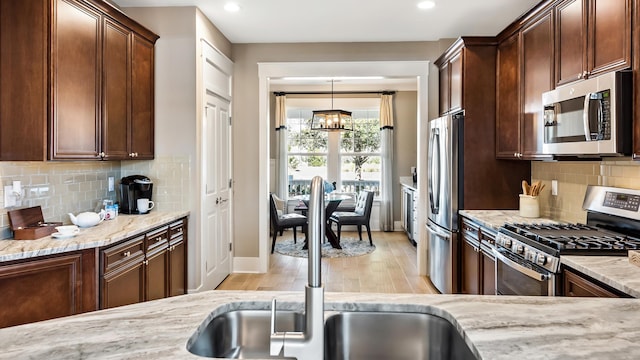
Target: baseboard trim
x=246, y=265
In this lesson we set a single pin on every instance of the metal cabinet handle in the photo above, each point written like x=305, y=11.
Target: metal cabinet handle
x=126, y=254
x=159, y=238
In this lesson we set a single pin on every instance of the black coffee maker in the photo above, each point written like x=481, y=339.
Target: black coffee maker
x=132, y=188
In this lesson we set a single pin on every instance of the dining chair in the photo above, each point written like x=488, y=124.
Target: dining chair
x=284, y=221
x=359, y=217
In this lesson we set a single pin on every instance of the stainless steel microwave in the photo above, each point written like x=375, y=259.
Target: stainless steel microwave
x=589, y=118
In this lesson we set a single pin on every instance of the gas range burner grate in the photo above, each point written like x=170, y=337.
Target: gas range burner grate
x=576, y=238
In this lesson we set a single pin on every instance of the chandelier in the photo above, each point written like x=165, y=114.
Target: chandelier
x=332, y=120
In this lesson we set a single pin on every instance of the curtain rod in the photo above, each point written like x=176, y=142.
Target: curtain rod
x=280, y=93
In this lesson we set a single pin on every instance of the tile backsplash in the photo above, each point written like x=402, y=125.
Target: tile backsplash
x=573, y=178
x=72, y=187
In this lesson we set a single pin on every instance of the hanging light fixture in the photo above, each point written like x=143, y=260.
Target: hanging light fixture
x=332, y=120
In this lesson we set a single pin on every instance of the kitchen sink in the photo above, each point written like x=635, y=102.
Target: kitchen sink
x=242, y=334
x=389, y=335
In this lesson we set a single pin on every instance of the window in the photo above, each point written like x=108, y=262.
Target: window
x=350, y=159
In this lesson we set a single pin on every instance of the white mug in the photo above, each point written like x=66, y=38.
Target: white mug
x=145, y=205
x=68, y=230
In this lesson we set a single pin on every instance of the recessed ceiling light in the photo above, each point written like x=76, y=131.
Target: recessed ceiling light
x=232, y=7
x=426, y=5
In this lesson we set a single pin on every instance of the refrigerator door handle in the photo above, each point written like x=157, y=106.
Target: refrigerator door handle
x=435, y=230
x=434, y=173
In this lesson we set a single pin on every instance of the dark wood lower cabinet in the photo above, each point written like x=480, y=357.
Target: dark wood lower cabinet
x=124, y=285
x=579, y=285
x=47, y=288
x=146, y=267
x=488, y=273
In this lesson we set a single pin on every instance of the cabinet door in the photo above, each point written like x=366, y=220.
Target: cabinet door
x=488, y=274
x=38, y=290
x=609, y=46
x=576, y=285
x=508, y=101
x=177, y=269
x=571, y=40
x=178, y=258
x=444, y=84
x=125, y=285
x=537, y=77
x=116, y=75
x=455, y=92
x=76, y=82
x=24, y=45
x=142, y=93
x=156, y=274
x=470, y=268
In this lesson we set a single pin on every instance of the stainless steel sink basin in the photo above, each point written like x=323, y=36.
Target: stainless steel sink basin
x=389, y=335
x=242, y=334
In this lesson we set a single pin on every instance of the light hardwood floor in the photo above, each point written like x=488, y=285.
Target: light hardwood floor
x=391, y=268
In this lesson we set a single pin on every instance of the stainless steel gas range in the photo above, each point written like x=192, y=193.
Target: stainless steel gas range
x=528, y=255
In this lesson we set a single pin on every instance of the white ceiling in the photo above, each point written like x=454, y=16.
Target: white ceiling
x=285, y=21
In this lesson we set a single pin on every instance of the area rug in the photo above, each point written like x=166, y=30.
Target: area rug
x=350, y=247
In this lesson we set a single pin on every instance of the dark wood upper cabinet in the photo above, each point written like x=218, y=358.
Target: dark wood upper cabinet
x=116, y=75
x=455, y=82
x=141, y=142
x=445, y=88
x=508, y=99
x=66, y=76
x=537, y=78
x=76, y=56
x=592, y=37
x=570, y=41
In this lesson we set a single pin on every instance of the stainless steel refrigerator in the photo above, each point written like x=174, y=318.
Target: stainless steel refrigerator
x=444, y=179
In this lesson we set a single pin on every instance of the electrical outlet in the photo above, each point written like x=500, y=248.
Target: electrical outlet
x=554, y=187
x=111, y=184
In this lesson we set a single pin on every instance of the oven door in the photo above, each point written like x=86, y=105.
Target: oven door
x=516, y=276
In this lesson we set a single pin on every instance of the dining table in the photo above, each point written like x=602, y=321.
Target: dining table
x=332, y=201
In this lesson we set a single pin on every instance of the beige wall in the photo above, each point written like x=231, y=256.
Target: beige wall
x=573, y=178
x=246, y=149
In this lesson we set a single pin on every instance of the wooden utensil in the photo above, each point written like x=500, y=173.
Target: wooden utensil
x=525, y=187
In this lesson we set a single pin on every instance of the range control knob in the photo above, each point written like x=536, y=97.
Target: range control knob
x=541, y=259
x=519, y=249
x=506, y=242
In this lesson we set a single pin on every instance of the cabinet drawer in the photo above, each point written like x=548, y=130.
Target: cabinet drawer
x=177, y=232
x=121, y=254
x=469, y=229
x=157, y=238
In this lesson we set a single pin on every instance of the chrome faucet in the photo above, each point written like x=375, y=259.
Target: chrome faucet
x=309, y=344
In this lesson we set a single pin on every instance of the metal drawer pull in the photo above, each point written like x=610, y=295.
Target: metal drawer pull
x=159, y=238
x=126, y=254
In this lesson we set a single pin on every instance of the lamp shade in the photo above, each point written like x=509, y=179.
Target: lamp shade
x=332, y=120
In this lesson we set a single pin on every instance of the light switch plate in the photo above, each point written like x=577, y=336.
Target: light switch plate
x=9, y=198
x=554, y=187
x=111, y=184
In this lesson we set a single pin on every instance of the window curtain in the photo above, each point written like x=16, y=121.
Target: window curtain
x=281, y=146
x=386, y=138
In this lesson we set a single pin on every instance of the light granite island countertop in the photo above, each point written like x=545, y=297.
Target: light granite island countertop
x=105, y=233
x=495, y=327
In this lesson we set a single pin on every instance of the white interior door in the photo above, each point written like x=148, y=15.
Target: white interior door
x=216, y=169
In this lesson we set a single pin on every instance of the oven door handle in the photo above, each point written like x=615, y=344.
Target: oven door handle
x=524, y=270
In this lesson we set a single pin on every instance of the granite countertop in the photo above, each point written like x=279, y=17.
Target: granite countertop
x=408, y=182
x=495, y=327
x=615, y=271
x=105, y=233
x=494, y=219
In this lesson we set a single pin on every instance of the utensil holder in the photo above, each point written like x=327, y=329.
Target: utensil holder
x=529, y=206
